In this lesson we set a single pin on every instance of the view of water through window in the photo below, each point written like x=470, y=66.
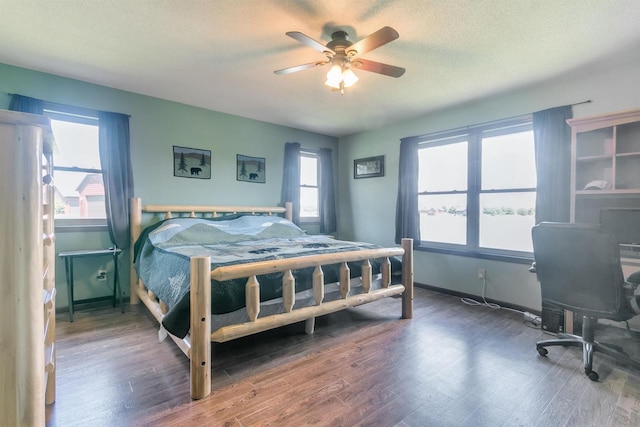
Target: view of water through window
x=502, y=186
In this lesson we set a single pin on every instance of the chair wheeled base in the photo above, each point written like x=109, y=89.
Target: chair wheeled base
x=589, y=346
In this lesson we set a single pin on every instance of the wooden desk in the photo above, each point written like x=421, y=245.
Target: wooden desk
x=68, y=266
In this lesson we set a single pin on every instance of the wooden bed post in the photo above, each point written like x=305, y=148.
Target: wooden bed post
x=407, y=279
x=366, y=276
x=288, y=291
x=289, y=213
x=318, y=297
x=200, y=327
x=135, y=214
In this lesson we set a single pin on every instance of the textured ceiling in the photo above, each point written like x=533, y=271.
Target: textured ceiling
x=221, y=55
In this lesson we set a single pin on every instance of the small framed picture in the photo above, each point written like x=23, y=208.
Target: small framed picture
x=251, y=169
x=368, y=167
x=191, y=162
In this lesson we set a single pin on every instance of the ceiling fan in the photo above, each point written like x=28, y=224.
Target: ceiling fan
x=345, y=56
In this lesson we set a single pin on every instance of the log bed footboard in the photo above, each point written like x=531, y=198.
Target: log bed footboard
x=197, y=345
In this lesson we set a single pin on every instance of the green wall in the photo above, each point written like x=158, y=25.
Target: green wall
x=367, y=206
x=156, y=126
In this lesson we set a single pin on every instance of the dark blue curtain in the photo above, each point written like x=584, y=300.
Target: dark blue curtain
x=26, y=104
x=115, y=162
x=407, y=213
x=552, y=137
x=291, y=178
x=328, y=223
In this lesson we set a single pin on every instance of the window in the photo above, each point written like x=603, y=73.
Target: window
x=78, y=182
x=477, y=189
x=309, y=210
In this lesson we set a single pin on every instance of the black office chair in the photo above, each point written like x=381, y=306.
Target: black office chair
x=624, y=225
x=578, y=268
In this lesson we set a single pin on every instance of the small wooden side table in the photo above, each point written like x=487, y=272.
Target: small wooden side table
x=68, y=257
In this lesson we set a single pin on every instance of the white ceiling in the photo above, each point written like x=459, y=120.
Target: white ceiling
x=221, y=54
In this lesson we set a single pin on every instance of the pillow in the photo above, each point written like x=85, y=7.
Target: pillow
x=195, y=230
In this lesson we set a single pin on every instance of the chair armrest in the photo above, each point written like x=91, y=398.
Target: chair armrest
x=634, y=278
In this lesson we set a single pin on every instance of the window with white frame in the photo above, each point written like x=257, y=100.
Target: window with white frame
x=79, y=190
x=309, y=195
x=477, y=189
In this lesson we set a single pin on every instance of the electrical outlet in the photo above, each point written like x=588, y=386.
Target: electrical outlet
x=102, y=275
x=482, y=273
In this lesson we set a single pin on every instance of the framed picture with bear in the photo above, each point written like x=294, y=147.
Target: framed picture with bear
x=191, y=162
x=251, y=169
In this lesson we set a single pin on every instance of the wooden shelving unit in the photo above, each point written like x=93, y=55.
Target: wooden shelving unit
x=605, y=150
x=605, y=163
x=48, y=276
x=27, y=266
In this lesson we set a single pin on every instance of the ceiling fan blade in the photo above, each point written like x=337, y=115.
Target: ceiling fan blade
x=300, y=67
x=383, y=36
x=378, y=67
x=306, y=40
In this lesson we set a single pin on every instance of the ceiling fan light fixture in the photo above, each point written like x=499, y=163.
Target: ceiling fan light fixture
x=332, y=84
x=349, y=78
x=340, y=77
x=334, y=76
x=343, y=55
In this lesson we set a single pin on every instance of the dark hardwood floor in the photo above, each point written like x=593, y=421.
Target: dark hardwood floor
x=452, y=365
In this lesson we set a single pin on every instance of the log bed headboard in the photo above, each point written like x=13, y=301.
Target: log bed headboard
x=137, y=209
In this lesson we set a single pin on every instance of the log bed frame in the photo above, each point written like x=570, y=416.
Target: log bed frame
x=197, y=344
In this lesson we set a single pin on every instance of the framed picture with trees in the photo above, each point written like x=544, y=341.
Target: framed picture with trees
x=369, y=167
x=191, y=162
x=251, y=169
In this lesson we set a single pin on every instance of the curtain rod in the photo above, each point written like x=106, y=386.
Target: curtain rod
x=58, y=104
x=525, y=115
x=477, y=125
